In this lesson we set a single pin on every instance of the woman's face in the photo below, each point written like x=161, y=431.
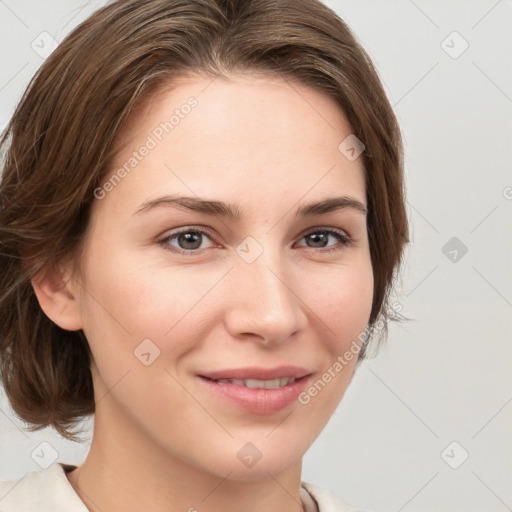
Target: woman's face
x=205, y=259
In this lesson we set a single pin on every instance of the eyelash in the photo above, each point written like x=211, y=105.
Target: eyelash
x=344, y=239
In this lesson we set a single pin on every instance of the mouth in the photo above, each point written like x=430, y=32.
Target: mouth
x=254, y=373
x=258, y=390
x=257, y=384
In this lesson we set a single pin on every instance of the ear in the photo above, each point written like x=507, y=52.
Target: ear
x=58, y=298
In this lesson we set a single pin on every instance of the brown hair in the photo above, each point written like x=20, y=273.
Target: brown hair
x=60, y=139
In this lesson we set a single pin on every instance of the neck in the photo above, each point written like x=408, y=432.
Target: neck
x=125, y=472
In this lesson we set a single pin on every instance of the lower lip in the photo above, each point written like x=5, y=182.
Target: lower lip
x=259, y=401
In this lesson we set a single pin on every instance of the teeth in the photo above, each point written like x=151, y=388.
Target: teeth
x=259, y=384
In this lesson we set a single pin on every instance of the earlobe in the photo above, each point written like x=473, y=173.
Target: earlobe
x=58, y=298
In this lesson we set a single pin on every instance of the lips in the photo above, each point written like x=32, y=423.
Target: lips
x=258, y=373
x=258, y=390
x=256, y=401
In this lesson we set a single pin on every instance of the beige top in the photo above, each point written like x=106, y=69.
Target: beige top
x=50, y=491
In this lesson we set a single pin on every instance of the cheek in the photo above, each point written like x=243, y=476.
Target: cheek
x=127, y=303
x=342, y=301
x=343, y=305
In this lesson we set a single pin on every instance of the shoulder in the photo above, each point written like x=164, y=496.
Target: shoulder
x=41, y=491
x=327, y=501
x=50, y=491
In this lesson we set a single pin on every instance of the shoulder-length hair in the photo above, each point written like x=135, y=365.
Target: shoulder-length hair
x=59, y=142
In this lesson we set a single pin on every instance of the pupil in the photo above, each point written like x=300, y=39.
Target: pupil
x=190, y=240
x=318, y=239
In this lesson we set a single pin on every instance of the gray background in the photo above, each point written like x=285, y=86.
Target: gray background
x=443, y=377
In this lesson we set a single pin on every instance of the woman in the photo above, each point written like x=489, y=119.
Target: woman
x=202, y=214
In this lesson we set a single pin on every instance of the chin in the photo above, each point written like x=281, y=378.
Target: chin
x=260, y=471
x=259, y=459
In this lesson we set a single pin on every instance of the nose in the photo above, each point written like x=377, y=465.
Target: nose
x=264, y=304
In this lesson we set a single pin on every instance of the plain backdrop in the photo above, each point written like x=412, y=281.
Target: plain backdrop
x=425, y=426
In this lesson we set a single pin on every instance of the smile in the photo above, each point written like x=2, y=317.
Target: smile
x=259, y=384
x=268, y=394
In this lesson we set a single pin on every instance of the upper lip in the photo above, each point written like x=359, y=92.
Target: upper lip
x=258, y=373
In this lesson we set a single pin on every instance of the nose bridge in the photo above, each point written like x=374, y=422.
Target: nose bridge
x=265, y=304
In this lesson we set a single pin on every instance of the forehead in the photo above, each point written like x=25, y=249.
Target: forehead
x=248, y=134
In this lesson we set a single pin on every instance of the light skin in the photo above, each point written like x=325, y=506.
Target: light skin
x=162, y=441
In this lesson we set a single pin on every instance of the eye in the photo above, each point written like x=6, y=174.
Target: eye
x=319, y=239
x=193, y=239
x=187, y=240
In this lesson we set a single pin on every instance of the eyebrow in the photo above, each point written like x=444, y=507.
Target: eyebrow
x=233, y=212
